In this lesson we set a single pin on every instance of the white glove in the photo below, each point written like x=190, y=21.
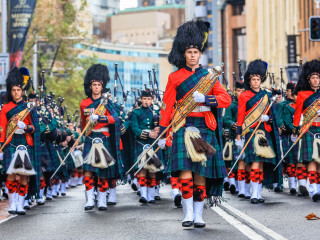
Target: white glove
x=94, y=117
x=265, y=118
x=318, y=112
x=76, y=153
x=198, y=97
x=21, y=125
x=239, y=143
x=1, y=156
x=162, y=143
x=293, y=139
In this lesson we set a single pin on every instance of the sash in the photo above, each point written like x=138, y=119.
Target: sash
x=254, y=116
x=311, y=105
x=190, y=83
x=187, y=105
x=100, y=111
x=18, y=111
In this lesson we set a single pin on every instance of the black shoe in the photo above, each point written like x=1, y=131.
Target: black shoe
x=138, y=193
x=180, y=206
x=40, y=203
x=63, y=194
x=254, y=201
x=54, y=196
x=293, y=191
x=88, y=208
x=134, y=187
x=247, y=197
x=187, y=224
x=143, y=200
x=232, y=189
x=111, y=203
x=241, y=195
x=177, y=200
x=303, y=190
x=12, y=212
x=152, y=201
x=316, y=197
x=102, y=208
x=157, y=198
x=21, y=213
x=199, y=225
x=226, y=186
x=27, y=207
x=261, y=200
x=277, y=189
x=48, y=198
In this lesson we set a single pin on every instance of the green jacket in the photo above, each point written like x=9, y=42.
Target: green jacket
x=280, y=110
x=288, y=113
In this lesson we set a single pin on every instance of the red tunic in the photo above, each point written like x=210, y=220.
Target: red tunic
x=4, y=121
x=302, y=96
x=219, y=97
x=83, y=105
x=242, y=113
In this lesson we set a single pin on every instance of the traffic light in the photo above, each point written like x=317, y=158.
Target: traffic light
x=314, y=28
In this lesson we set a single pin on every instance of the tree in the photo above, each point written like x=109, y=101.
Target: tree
x=56, y=27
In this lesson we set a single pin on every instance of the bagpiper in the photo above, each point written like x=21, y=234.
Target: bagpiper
x=254, y=110
x=144, y=124
x=99, y=119
x=20, y=137
x=197, y=143
x=307, y=111
x=230, y=150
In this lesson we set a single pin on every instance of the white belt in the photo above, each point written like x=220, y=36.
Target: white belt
x=199, y=109
x=104, y=129
x=19, y=131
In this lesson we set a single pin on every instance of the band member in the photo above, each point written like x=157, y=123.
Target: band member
x=262, y=148
x=292, y=159
x=230, y=151
x=306, y=106
x=101, y=153
x=20, y=155
x=144, y=124
x=200, y=129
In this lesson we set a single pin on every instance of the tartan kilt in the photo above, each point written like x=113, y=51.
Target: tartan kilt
x=110, y=172
x=250, y=155
x=45, y=158
x=306, y=149
x=53, y=161
x=10, y=149
x=179, y=160
x=138, y=149
x=69, y=162
x=63, y=172
x=292, y=157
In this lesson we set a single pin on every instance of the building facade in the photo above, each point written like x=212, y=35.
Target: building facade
x=270, y=25
x=308, y=49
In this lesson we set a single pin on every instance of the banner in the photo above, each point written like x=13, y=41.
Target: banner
x=20, y=14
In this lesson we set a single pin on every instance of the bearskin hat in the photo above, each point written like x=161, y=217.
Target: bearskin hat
x=307, y=70
x=146, y=94
x=291, y=86
x=256, y=68
x=96, y=73
x=32, y=95
x=19, y=78
x=192, y=34
x=240, y=84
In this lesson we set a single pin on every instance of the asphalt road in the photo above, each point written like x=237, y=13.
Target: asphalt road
x=281, y=217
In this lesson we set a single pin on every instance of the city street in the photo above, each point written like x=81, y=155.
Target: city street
x=281, y=217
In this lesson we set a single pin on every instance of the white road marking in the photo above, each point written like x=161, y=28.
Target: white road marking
x=247, y=231
x=254, y=223
x=8, y=218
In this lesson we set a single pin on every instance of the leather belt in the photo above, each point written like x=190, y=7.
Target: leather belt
x=104, y=129
x=199, y=109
